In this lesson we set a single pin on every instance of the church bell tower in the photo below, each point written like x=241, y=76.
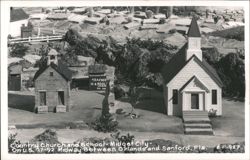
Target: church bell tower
x=52, y=57
x=194, y=41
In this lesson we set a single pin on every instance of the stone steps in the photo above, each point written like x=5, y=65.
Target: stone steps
x=196, y=120
x=199, y=131
x=197, y=123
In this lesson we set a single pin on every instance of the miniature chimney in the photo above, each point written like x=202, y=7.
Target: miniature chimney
x=52, y=57
x=194, y=41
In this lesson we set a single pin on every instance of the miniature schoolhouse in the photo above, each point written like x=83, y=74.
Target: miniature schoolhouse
x=52, y=85
x=192, y=88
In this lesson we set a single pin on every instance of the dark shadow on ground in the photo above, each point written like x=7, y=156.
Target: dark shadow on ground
x=147, y=99
x=150, y=99
x=235, y=99
x=22, y=102
x=152, y=105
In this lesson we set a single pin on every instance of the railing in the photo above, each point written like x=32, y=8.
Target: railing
x=35, y=39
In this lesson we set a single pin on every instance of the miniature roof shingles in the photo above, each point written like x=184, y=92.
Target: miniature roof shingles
x=61, y=68
x=18, y=14
x=178, y=61
x=194, y=30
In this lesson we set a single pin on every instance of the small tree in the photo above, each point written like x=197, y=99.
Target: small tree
x=105, y=123
x=105, y=102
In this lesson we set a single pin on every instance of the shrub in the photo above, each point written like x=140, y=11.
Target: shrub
x=18, y=50
x=12, y=140
x=105, y=124
x=172, y=31
x=125, y=139
x=162, y=21
x=212, y=113
x=48, y=136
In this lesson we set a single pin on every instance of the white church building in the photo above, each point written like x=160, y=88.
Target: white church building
x=191, y=85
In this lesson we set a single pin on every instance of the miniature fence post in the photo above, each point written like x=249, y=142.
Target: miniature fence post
x=47, y=37
x=29, y=38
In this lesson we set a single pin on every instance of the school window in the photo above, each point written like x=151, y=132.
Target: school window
x=175, y=96
x=214, y=96
x=51, y=73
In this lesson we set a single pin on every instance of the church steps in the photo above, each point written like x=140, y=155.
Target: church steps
x=197, y=123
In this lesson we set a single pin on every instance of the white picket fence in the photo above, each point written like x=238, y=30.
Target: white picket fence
x=35, y=39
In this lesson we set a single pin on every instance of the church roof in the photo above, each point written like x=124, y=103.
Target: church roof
x=178, y=61
x=194, y=30
x=18, y=14
x=61, y=68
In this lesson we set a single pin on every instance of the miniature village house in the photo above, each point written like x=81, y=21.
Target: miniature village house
x=52, y=85
x=192, y=87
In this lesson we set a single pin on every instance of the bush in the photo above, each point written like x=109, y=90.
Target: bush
x=172, y=31
x=125, y=139
x=162, y=21
x=105, y=124
x=48, y=136
x=12, y=140
x=18, y=50
x=212, y=113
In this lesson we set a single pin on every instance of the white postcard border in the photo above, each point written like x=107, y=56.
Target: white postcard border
x=5, y=5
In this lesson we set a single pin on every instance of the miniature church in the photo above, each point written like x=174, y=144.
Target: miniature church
x=191, y=85
x=52, y=85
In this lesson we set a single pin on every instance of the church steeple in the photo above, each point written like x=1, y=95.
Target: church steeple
x=194, y=30
x=194, y=41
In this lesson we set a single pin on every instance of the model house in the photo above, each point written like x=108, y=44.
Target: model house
x=52, y=85
x=190, y=83
x=18, y=18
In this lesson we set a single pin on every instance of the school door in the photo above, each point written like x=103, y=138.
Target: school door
x=61, y=98
x=194, y=101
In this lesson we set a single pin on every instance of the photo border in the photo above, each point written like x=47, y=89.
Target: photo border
x=5, y=15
